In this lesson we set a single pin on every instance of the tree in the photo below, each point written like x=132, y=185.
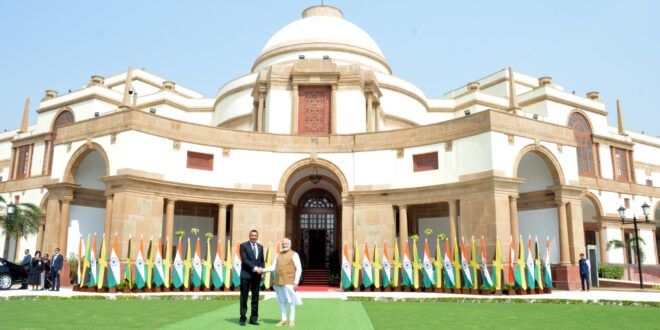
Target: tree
x=22, y=223
x=628, y=244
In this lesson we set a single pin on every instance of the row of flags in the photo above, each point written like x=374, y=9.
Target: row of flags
x=445, y=271
x=153, y=269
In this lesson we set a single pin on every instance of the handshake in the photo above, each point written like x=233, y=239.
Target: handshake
x=259, y=270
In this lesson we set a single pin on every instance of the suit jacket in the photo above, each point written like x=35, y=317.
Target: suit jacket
x=26, y=261
x=248, y=261
x=56, y=263
x=584, y=267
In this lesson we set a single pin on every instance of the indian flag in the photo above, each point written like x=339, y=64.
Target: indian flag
x=367, y=272
x=396, y=265
x=429, y=279
x=547, y=274
x=497, y=266
x=377, y=267
x=81, y=248
x=86, y=262
x=128, y=278
x=415, y=265
x=531, y=282
x=206, y=271
x=437, y=265
x=177, y=272
x=488, y=282
x=114, y=273
x=93, y=268
x=474, y=266
x=236, y=276
x=512, y=258
x=448, y=269
x=387, y=268
x=228, y=264
x=149, y=263
x=197, y=266
x=467, y=277
x=218, y=271
x=537, y=264
x=140, y=271
x=407, y=267
x=346, y=280
x=158, y=265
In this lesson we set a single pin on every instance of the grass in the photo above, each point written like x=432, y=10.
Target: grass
x=322, y=314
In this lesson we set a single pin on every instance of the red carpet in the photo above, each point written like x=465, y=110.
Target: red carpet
x=317, y=288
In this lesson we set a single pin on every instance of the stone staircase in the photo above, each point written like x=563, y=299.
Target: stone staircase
x=315, y=277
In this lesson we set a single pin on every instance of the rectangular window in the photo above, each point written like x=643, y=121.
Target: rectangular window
x=649, y=182
x=200, y=161
x=626, y=203
x=620, y=165
x=23, y=161
x=425, y=162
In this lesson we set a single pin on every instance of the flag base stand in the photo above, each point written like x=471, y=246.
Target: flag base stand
x=166, y=289
x=186, y=289
x=498, y=292
x=537, y=291
x=521, y=292
x=126, y=290
x=175, y=289
x=112, y=290
x=206, y=290
x=367, y=289
x=465, y=291
x=531, y=291
x=75, y=288
x=387, y=289
x=102, y=290
x=237, y=289
x=485, y=292
x=418, y=290
x=429, y=290
x=195, y=289
x=439, y=290
x=92, y=289
x=155, y=289
x=547, y=290
x=397, y=289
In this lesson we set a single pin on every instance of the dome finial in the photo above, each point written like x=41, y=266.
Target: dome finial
x=322, y=10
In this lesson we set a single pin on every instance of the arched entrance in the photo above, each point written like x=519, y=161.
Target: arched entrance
x=317, y=223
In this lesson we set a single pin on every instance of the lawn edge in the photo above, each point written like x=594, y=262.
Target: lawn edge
x=601, y=302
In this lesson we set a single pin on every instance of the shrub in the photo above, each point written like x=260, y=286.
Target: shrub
x=610, y=271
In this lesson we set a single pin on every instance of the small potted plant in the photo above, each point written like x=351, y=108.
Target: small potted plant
x=507, y=290
x=126, y=288
x=194, y=231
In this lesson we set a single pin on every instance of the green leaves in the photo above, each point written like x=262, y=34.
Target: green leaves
x=24, y=222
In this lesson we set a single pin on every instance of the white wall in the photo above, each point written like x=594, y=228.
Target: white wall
x=84, y=220
x=351, y=111
x=278, y=111
x=536, y=173
x=614, y=256
x=542, y=223
x=90, y=170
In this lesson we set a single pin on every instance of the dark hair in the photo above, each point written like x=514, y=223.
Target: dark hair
x=581, y=254
x=37, y=253
x=254, y=231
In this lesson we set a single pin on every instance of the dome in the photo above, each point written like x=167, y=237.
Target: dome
x=322, y=28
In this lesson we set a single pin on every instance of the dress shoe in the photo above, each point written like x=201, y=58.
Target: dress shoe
x=292, y=323
x=241, y=323
x=281, y=323
x=254, y=322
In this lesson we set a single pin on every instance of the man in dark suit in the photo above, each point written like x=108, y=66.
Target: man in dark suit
x=27, y=259
x=252, y=263
x=55, y=268
x=584, y=271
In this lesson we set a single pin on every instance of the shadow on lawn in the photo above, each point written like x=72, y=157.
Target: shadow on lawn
x=234, y=320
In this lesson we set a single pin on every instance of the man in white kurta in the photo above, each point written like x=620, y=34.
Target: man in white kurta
x=287, y=270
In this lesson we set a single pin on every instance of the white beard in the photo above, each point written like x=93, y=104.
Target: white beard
x=287, y=249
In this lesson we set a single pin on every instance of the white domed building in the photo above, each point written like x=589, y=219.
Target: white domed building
x=320, y=142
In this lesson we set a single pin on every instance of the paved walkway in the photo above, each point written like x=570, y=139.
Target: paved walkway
x=574, y=295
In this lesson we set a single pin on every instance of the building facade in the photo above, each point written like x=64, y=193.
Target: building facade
x=321, y=143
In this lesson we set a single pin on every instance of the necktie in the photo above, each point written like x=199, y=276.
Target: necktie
x=254, y=249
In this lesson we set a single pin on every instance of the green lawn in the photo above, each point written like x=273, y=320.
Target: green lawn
x=322, y=314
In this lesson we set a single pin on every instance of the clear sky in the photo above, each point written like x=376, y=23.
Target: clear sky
x=608, y=46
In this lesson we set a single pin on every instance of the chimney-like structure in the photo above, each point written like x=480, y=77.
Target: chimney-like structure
x=127, y=100
x=513, y=98
x=619, y=117
x=26, y=114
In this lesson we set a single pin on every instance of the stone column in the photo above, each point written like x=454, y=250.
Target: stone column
x=108, y=217
x=370, y=113
x=575, y=229
x=602, y=236
x=40, y=236
x=403, y=223
x=169, y=219
x=513, y=210
x=452, y=220
x=64, y=225
x=294, y=111
x=222, y=224
x=52, y=230
x=565, y=256
x=260, y=114
x=333, y=110
x=347, y=220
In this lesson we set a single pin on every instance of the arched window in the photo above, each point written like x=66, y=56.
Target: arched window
x=582, y=135
x=64, y=118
